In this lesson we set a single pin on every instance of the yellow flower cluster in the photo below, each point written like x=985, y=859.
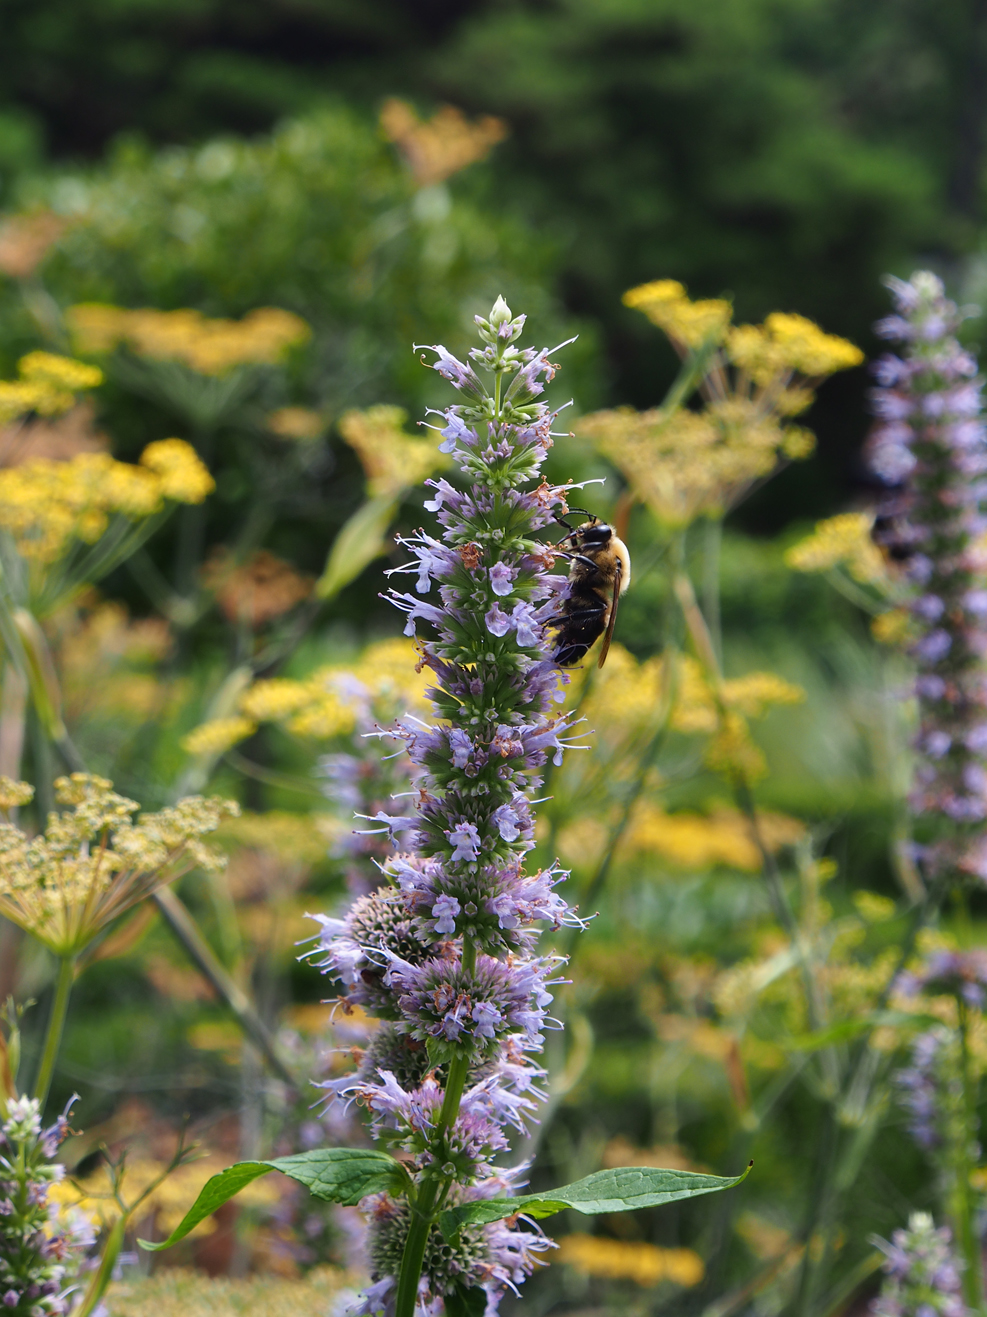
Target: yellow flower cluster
x=14, y=794
x=393, y=460
x=788, y=342
x=175, y=1292
x=93, y=862
x=213, y=738
x=618, y=1259
x=841, y=541
x=689, y=324
x=697, y=842
x=625, y=695
x=751, y=695
x=181, y=476
x=211, y=347
x=442, y=145
x=684, y=464
x=46, y=384
x=697, y=709
x=47, y=505
x=326, y=704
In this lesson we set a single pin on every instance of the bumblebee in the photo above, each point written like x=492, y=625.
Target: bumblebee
x=599, y=573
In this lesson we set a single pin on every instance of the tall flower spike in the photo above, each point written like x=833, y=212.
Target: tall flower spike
x=444, y=953
x=42, y=1246
x=929, y=447
x=921, y=1273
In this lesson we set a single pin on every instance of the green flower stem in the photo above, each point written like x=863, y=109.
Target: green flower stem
x=964, y=1206
x=434, y=1183
x=56, y=1024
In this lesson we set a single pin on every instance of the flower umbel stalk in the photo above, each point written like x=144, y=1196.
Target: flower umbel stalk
x=444, y=954
x=56, y=1024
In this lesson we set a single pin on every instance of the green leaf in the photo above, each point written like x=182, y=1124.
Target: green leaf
x=620, y=1190
x=466, y=1303
x=362, y=539
x=337, y=1175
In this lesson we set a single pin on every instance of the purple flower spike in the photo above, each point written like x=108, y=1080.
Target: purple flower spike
x=42, y=1247
x=443, y=953
x=921, y=1273
x=929, y=447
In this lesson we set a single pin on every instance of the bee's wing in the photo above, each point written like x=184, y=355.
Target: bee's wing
x=613, y=617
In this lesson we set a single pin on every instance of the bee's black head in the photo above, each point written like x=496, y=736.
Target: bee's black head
x=595, y=535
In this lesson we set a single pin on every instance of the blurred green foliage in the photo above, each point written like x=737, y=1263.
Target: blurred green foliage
x=790, y=151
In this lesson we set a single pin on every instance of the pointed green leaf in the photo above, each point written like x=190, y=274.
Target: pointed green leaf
x=338, y=1175
x=359, y=542
x=620, y=1190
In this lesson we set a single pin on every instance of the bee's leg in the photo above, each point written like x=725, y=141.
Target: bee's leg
x=576, y=613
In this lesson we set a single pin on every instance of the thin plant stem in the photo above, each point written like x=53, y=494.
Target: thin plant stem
x=712, y=542
x=434, y=1185
x=184, y=928
x=56, y=1025
x=964, y=1206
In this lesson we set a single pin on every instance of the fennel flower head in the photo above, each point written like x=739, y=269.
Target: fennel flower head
x=42, y=1244
x=684, y=464
x=443, y=953
x=93, y=862
x=929, y=447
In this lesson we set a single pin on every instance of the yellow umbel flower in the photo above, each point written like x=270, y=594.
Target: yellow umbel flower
x=211, y=347
x=47, y=385
x=696, y=842
x=723, y=715
x=683, y=464
x=687, y=324
x=617, y=1259
x=93, y=862
x=46, y=505
x=625, y=696
x=392, y=460
x=14, y=794
x=388, y=669
x=327, y=713
x=382, y=684
x=183, y=476
x=841, y=541
x=274, y=699
x=215, y=737
x=756, y=692
x=789, y=343
x=61, y=372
